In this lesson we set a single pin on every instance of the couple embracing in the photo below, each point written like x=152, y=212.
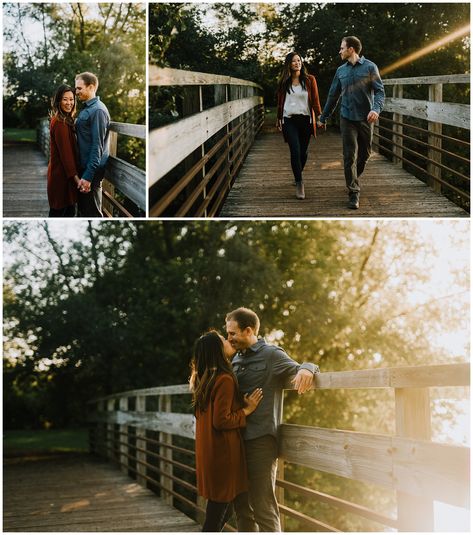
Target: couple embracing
x=237, y=384
x=78, y=149
x=358, y=83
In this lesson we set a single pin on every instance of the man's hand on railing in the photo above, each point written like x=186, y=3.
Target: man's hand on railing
x=372, y=117
x=303, y=381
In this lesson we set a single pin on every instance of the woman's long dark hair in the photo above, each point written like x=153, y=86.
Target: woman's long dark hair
x=285, y=79
x=56, y=110
x=208, y=362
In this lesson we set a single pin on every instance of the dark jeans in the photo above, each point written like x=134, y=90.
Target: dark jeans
x=67, y=211
x=357, y=137
x=261, y=510
x=216, y=516
x=297, y=131
x=90, y=204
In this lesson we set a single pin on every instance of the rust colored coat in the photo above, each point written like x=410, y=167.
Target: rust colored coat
x=62, y=190
x=219, y=448
x=314, y=102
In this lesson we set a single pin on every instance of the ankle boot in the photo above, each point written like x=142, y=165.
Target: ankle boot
x=300, y=193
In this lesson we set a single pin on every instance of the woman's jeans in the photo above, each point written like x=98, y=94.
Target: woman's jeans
x=297, y=131
x=67, y=211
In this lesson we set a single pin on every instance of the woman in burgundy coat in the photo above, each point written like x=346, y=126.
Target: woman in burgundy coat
x=298, y=110
x=62, y=169
x=220, y=412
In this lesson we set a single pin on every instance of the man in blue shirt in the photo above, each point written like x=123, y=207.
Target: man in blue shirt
x=92, y=129
x=359, y=85
x=258, y=364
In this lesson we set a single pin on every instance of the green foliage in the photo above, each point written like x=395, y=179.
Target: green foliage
x=250, y=40
x=53, y=441
x=107, y=39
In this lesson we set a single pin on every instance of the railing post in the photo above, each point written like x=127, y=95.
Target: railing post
x=165, y=467
x=413, y=421
x=123, y=406
x=108, y=186
x=397, y=129
x=140, y=406
x=435, y=95
x=280, y=472
x=110, y=436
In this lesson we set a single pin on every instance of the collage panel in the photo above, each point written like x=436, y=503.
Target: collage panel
x=242, y=110
x=74, y=110
x=117, y=344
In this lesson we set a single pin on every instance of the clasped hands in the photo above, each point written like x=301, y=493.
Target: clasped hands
x=82, y=185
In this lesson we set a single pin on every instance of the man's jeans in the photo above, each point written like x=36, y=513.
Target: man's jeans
x=357, y=137
x=90, y=204
x=262, y=509
x=297, y=131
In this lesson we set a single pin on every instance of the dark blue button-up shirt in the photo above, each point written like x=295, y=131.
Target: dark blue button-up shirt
x=268, y=367
x=361, y=89
x=92, y=126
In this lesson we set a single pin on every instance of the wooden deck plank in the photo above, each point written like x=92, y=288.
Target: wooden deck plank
x=82, y=493
x=24, y=181
x=264, y=186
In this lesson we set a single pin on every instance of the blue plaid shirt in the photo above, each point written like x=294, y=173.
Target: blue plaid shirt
x=361, y=89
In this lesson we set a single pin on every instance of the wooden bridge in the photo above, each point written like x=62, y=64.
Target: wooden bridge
x=215, y=158
x=149, y=435
x=25, y=169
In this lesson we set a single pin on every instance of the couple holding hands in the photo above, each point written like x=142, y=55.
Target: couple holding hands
x=237, y=385
x=79, y=149
x=359, y=85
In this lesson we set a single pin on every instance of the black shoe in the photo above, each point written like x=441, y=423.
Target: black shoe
x=354, y=201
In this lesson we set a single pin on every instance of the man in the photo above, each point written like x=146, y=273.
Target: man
x=92, y=128
x=260, y=365
x=359, y=84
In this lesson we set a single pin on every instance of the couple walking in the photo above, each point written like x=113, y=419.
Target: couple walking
x=78, y=150
x=237, y=386
x=359, y=85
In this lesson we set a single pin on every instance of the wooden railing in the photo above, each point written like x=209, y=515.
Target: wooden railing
x=422, y=147
x=123, y=182
x=141, y=430
x=194, y=160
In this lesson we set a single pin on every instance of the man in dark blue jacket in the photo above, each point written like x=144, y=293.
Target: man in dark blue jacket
x=92, y=128
x=359, y=85
x=258, y=364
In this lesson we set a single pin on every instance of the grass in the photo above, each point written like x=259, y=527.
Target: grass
x=19, y=135
x=50, y=441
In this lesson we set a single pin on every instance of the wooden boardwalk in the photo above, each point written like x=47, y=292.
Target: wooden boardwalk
x=82, y=493
x=264, y=186
x=24, y=181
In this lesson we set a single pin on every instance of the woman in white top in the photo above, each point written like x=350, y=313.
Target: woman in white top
x=298, y=108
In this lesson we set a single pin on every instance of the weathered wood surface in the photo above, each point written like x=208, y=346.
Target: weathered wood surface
x=421, y=468
x=264, y=186
x=170, y=144
x=397, y=377
x=166, y=422
x=438, y=112
x=168, y=77
x=424, y=80
x=128, y=178
x=81, y=493
x=24, y=181
x=127, y=129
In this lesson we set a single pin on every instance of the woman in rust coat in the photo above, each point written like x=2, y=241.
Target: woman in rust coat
x=298, y=110
x=220, y=412
x=63, y=178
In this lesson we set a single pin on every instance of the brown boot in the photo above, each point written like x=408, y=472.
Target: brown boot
x=300, y=193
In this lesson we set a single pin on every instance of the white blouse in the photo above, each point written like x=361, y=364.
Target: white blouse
x=297, y=102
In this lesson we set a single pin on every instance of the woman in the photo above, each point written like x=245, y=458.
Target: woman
x=63, y=178
x=298, y=108
x=220, y=413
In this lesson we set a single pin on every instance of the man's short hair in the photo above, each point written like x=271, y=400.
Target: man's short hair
x=354, y=42
x=89, y=78
x=245, y=318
